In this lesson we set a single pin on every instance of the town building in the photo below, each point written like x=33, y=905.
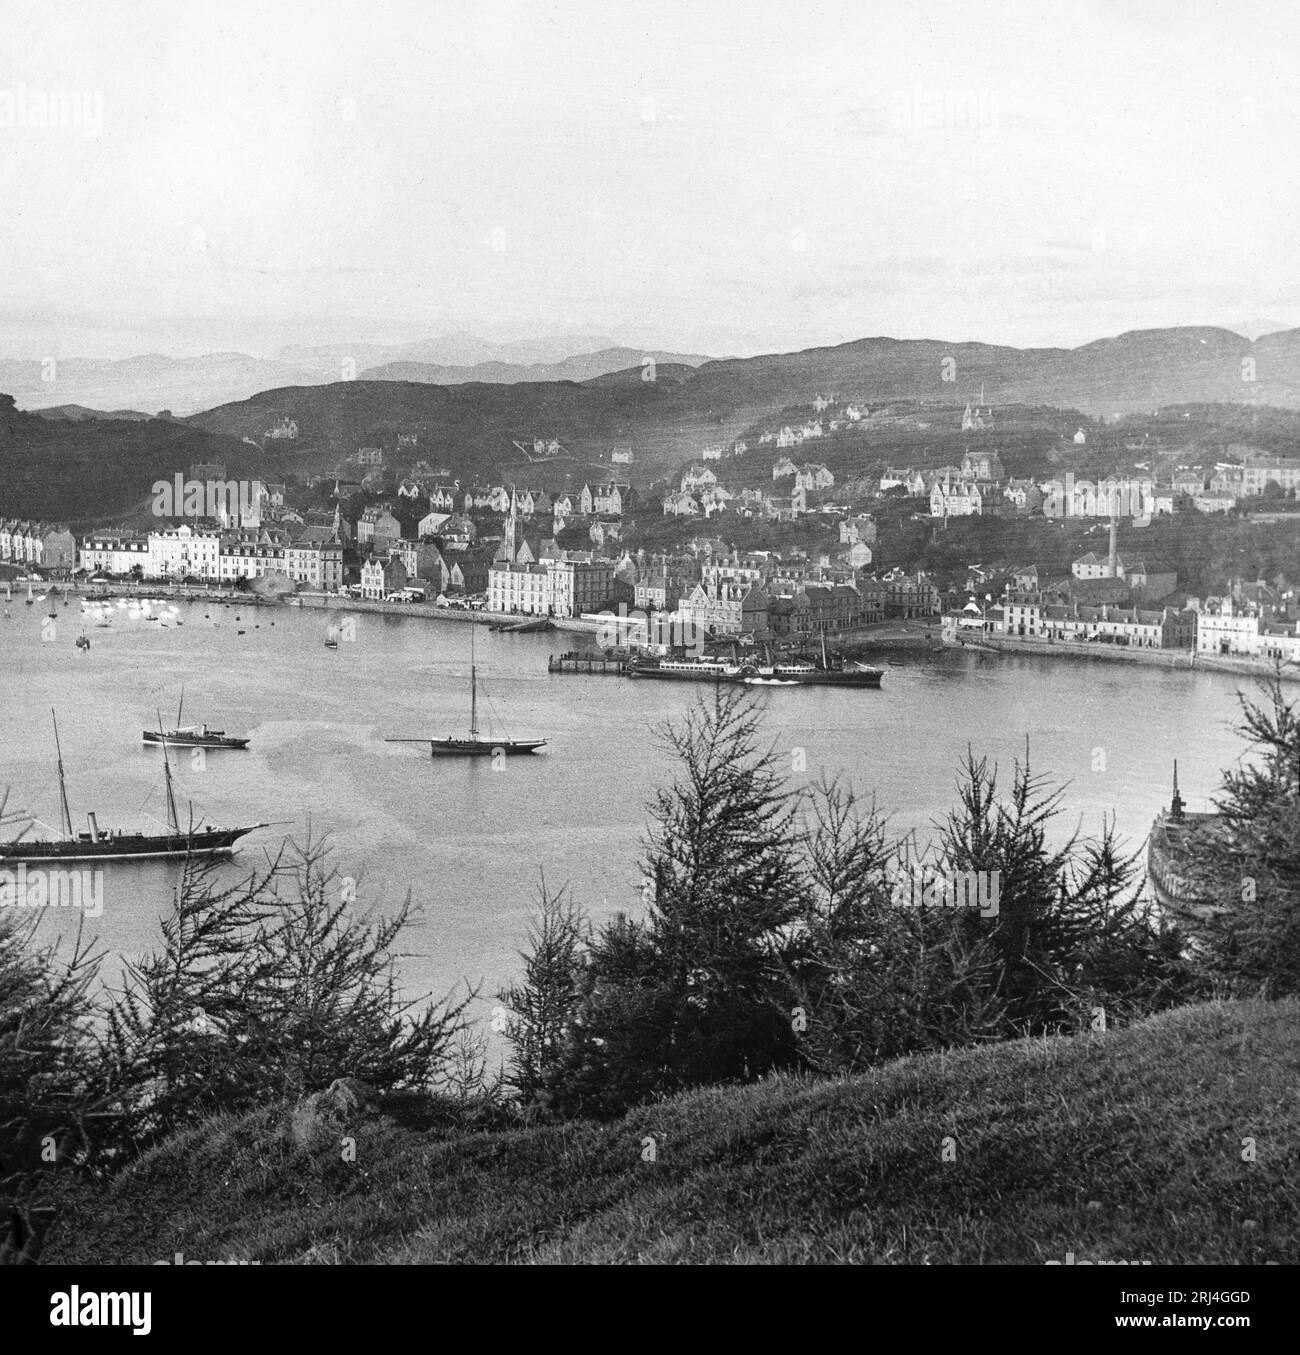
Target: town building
x=254, y=555
x=184, y=552
x=431, y=523
x=726, y=608
x=378, y=527
x=381, y=577
x=115, y=554
x=314, y=560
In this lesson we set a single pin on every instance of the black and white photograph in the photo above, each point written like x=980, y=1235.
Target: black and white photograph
x=649, y=636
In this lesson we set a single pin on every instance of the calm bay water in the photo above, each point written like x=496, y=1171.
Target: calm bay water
x=469, y=842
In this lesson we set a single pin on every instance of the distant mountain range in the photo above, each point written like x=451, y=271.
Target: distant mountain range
x=1137, y=370
x=579, y=367
x=154, y=381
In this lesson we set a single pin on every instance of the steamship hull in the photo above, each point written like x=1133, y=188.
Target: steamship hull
x=125, y=846
x=834, y=677
x=181, y=739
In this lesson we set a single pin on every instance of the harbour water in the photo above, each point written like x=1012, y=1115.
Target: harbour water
x=469, y=839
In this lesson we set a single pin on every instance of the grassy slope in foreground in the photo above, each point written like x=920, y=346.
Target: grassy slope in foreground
x=1124, y=1146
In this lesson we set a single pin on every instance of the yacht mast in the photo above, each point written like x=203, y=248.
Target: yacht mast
x=173, y=820
x=473, y=686
x=63, y=790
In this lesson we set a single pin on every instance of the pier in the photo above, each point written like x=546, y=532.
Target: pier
x=588, y=662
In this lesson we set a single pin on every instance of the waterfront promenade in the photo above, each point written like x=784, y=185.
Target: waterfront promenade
x=1153, y=658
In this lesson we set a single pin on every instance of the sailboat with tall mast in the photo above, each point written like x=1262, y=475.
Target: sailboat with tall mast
x=477, y=744
x=110, y=844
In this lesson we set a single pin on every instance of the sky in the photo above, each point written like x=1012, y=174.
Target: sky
x=706, y=177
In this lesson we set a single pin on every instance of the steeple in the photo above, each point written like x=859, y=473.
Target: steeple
x=1176, y=804
x=508, y=551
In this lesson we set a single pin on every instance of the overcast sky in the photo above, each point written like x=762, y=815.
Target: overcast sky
x=701, y=176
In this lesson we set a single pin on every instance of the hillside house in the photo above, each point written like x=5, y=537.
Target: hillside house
x=984, y=467
x=1094, y=566
x=378, y=527
x=432, y=523
x=859, y=528
x=1023, y=495
x=813, y=476
x=858, y=555
x=681, y=504
x=959, y=499
x=697, y=476
x=715, y=499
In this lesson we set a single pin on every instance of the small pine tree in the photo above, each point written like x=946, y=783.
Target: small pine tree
x=265, y=989
x=1071, y=931
x=870, y=976
x=544, y=1002
x=686, y=997
x=46, y=1054
x=1251, y=942
x=725, y=881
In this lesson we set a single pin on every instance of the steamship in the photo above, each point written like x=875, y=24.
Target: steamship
x=113, y=844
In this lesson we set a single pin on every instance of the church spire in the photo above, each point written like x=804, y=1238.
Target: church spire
x=1176, y=804
x=512, y=527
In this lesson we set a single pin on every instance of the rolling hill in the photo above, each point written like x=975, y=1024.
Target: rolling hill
x=89, y=471
x=471, y=427
x=1122, y=1147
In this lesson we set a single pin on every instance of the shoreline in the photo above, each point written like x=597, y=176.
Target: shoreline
x=1187, y=660
x=317, y=601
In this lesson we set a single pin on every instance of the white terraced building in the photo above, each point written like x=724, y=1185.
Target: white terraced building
x=181, y=552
